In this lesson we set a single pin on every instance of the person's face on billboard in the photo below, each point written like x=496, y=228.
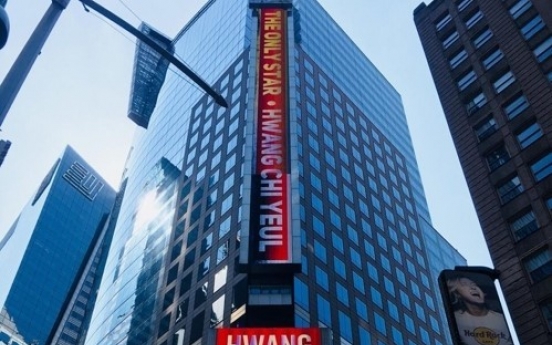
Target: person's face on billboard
x=469, y=291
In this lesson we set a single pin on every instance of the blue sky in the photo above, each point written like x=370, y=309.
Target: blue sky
x=77, y=94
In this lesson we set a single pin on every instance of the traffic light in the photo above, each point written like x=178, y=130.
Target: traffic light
x=4, y=24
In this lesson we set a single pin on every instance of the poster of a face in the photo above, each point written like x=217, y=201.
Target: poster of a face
x=473, y=308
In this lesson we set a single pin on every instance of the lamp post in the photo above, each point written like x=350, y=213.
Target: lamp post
x=22, y=65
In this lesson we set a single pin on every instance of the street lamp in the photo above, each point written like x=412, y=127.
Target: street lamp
x=22, y=65
x=4, y=24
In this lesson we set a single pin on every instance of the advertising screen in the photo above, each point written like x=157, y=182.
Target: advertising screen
x=473, y=308
x=270, y=231
x=268, y=336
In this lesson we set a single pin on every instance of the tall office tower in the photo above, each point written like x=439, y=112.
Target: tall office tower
x=44, y=251
x=492, y=66
x=300, y=205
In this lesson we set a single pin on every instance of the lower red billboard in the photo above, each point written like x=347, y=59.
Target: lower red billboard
x=269, y=336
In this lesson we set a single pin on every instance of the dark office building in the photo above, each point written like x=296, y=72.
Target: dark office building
x=45, y=250
x=492, y=66
x=300, y=205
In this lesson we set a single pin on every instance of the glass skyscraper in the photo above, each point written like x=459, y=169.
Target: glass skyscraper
x=360, y=223
x=43, y=253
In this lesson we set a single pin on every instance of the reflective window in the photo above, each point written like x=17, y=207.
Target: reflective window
x=474, y=19
x=397, y=336
x=409, y=323
x=529, y=135
x=339, y=267
x=450, y=39
x=466, y=80
x=546, y=309
x=376, y=297
x=544, y=50
x=539, y=265
x=503, y=81
x=380, y=323
x=509, y=190
x=443, y=22
x=361, y=309
x=220, y=278
x=393, y=310
x=301, y=293
x=492, y=59
x=345, y=327
x=358, y=282
x=532, y=27
x=324, y=311
x=482, y=38
x=543, y=167
x=476, y=103
x=516, y=106
x=485, y=128
x=519, y=8
x=497, y=158
x=463, y=4
x=524, y=225
x=322, y=278
x=342, y=293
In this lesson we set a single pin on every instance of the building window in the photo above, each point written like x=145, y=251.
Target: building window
x=482, y=38
x=529, y=135
x=324, y=311
x=509, y=190
x=492, y=59
x=504, y=81
x=524, y=226
x=476, y=103
x=380, y=323
x=532, y=27
x=519, y=8
x=443, y=22
x=544, y=50
x=345, y=328
x=450, y=39
x=497, y=158
x=463, y=4
x=485, y=128
x=546, y=308
x=466, y=80
x=516, y=106
x=458, y=58
x=539, y=265
x=474, y=19
x=542, y=167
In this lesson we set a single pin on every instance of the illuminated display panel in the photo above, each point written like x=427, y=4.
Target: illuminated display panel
x=473, y=308
x=270, y=229
x=268, y=336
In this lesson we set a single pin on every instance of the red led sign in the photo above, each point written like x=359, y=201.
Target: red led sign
x=268, y=336
x=270, y=217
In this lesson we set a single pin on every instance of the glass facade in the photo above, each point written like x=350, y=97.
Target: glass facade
x=359, y=203
x=48, y=244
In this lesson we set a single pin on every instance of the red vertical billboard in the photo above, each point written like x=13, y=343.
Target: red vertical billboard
x=270, y=227
x=268, y=336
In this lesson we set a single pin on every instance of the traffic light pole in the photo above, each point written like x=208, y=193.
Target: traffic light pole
x=22, y=65
x=18, y=73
